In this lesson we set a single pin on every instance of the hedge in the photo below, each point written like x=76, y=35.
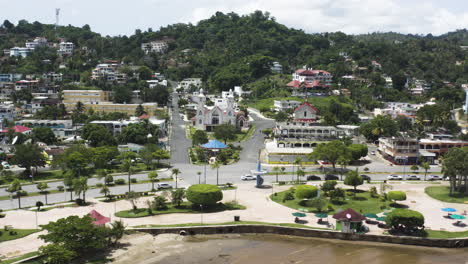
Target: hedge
x=306, y=192
x=406, y=219
x=204, y=194
x=396, y=196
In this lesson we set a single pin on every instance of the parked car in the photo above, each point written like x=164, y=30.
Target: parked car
x=434, y=178
x=413, y=177
x=164, y=186
x=365, y=177
x=114, y=162
x=330, y=177
x=394, y=177
x=248, y=177
x=313, y=178
x=372, y=152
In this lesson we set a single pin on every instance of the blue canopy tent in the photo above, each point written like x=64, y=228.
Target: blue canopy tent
x=214, y=144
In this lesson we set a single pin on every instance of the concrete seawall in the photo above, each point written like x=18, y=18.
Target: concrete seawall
x=304, y=232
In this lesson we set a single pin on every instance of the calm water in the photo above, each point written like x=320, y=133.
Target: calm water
x=272, y=249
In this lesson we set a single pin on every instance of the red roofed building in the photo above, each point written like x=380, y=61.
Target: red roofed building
x=99, y=218
x=309, y=78
x=350, y=220
x=305, y=113
x=18, y=129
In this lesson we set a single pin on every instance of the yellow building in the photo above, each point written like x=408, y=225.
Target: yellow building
x=100, y=101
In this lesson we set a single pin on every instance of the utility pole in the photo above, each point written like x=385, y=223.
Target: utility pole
x=57, y=17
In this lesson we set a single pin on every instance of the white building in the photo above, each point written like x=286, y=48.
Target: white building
x=310, y=78
x=283, y=105
x=187, y=83
x=20, y=52
x=223, y=112
x=10, y=77
x=7, y=111
x=276, y=67
x=66, y=48
x=37, y=42
x=158, y=46
x=52, y=77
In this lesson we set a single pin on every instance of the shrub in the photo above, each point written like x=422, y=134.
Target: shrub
x=204, y=194
x=120, y=181
x=405, y=220
x=60, y=188
x=99, y=185
x=288, y=196
x=329, y=186
x=396, y=195
x=373, y=192
x=133, y=180
x=318, y=203
x=281, y=183
x=306, y=192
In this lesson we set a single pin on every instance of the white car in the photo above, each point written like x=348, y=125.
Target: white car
x=372, y=152
x=434, y=178
x=164, y=186
x=394, y=177
x=248, y=177
x=413, y=177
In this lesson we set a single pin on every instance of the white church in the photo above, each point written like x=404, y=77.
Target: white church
x=224, y=111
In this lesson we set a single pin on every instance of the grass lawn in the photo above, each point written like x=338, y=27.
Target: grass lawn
x=19, y=233
x=441, y=193
x=185, y=207
x=446, y=234
x=363, y=202
x=25, y=256
x=235, y=223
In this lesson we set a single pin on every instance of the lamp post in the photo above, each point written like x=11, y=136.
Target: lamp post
x=201, y=214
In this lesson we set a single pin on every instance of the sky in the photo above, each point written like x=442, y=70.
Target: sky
x=122, y=17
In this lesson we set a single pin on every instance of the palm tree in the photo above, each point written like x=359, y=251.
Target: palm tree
x=175, y=172
x=127, y=166
x=152, y=177
x=199, y=175
x=80, y=186
x=343, y=162
x=426, y=167
x=216, y=166
x=117, y=231
x=276, y=169
x=300, y=173
x=42, y=186
x=105, y=190
x=297, y=162
x=15, y=187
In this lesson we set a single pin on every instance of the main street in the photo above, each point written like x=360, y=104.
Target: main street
x=179, y=145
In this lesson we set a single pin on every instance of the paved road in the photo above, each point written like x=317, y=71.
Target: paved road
x=178, y=142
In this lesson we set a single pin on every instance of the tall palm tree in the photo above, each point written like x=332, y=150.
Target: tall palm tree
x=426, y=167
x=175, y=172
x=199, y=175
x=80, y=186
x=152, y=177
x=127, y=166
x=343, y=162
x=15, y=187
x=300, y=173
x=297, y=162
x=42, y=187
x=216, y=166
x=276, y=169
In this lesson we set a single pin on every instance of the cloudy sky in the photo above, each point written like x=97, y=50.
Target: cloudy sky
x=119, y=17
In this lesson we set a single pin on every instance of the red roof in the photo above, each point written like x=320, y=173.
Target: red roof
x=100, y=219
x=297, y=84
x=311, y=72
x=17, y=128
x=144, y=116
x=349, y=215
x=306, y=104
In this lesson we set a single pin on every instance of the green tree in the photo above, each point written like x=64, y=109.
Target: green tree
x=43, y=134
x=405, y=219
x=68, y=182
x=426, y=167
x=337, y=194
x=140, y=110
x=153, y=177
x=306, y=192
x=396, y=196
x=276, y=170
x=330, y=152
x=414, y=168
x=319, y=203
x=117, y=231
x=15, y=187
x=199, y=138
x=204, y=194
x=328, y=186
x=39, y=204
x=57, y=254
x=455, y=166
x=175, y=172
x=159, y=202
x=132, y=197
x=353, y=179
x=146, y=155
x=281, y=116
x=27, y=156
x=358, y=151
x=161, y=154
x=144, y=73
x=80, y=186
x=42, y=187
x=98, y=135
x=177, y=196
x=105, y=190
x=127, y=166
x=77, y=234
x=225, y=132
x=380, y=126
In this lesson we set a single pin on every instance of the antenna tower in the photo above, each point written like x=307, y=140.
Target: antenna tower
x=57, y=16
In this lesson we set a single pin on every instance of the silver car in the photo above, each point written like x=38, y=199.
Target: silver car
x=248, y=177
x=394, y=177
x=413, y=177
x=434, y=178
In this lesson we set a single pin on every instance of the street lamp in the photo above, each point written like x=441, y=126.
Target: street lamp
x=201, y=214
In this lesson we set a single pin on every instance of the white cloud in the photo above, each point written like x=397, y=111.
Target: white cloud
x=116, y=17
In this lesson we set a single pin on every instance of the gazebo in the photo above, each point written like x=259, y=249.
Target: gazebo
x=99, y=218
x=213, y=147
x=350, y=220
